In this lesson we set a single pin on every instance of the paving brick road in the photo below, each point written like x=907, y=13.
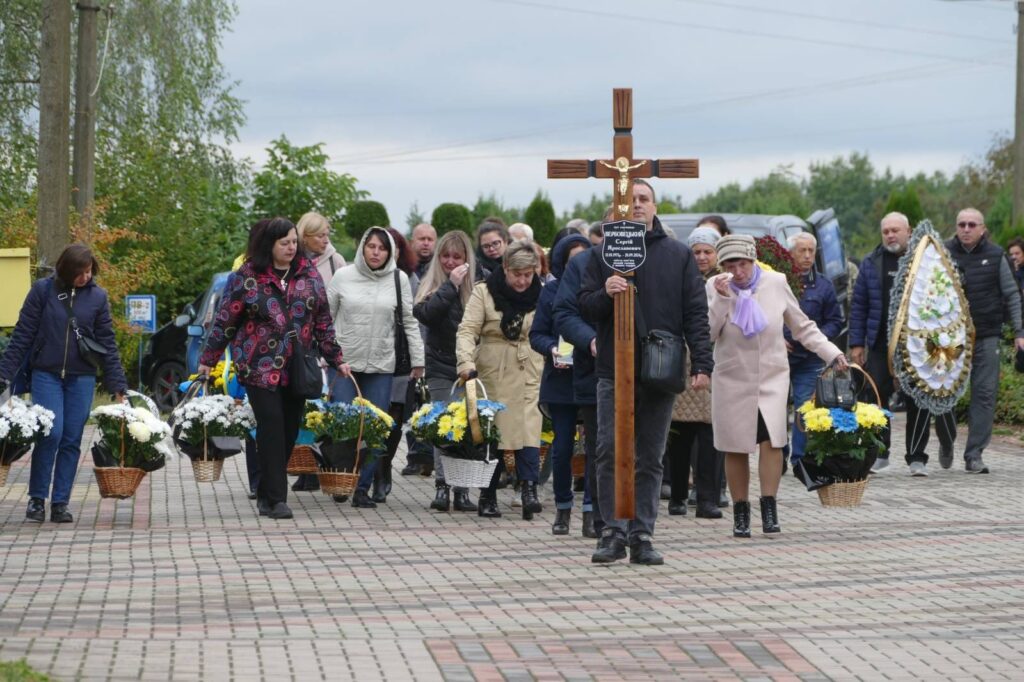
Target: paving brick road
x=925, y=580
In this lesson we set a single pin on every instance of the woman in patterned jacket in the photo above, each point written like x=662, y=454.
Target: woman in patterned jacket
x=275, y=302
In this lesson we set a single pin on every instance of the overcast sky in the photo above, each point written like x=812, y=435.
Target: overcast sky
x=439, y=101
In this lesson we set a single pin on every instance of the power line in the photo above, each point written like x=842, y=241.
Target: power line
x=844, y=21
x=721, y=141
x=737, y=31
x=924, y=71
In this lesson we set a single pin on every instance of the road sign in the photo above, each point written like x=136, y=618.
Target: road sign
x=140, y=309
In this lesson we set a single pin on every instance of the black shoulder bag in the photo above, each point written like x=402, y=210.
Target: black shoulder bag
x=305, y=379
x=91, y=350
x=662, y=357
x=835, y=389
x=403, y=361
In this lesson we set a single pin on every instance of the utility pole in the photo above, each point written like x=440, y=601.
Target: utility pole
x=83, y=179
x=54, y=114
x=1018, y=140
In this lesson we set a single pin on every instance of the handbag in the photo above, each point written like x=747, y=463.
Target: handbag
x=305, y=379
x=90, y=350
x=403, y=361
x=662, y=358
x=835, y=389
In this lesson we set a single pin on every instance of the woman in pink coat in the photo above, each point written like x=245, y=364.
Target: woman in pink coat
x=747, y=308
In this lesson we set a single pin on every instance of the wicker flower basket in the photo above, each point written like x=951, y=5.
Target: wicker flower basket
x=207, y=470
x=510, y=459
x=5, y=469
x=468, y=473
x=302, y=461
x=843, y=493
x=118, y=483
x=337, y=482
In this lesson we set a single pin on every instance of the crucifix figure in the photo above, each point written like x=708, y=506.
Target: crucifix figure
x=623, y=169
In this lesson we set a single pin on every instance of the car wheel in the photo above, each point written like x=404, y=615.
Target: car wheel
x=165, y=383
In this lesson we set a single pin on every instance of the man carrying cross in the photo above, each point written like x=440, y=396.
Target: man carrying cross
x=670, y=296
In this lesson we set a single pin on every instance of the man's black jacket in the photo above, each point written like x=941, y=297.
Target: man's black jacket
x=670, y=292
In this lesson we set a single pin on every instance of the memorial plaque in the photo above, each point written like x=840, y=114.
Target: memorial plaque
x=623, y=248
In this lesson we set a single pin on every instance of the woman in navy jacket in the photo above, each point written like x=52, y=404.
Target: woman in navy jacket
x=61, y=379
x=556, y=385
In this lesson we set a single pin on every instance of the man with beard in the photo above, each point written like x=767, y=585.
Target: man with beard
x=869, y=341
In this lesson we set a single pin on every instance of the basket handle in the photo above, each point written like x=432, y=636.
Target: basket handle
x=123, y=422
x=472, y=414
x=878, y=396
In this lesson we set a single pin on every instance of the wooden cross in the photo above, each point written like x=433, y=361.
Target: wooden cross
x=623, y=169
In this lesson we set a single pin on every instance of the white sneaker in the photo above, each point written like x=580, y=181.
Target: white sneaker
x=918, y=469
x=880, y=463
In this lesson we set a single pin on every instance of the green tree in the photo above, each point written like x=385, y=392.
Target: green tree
x=414, y=217
x=591, y=211
x=165, y=112
x=296, y=180
x=363, y=215
x=907, y=202
x=540, y=215
x=491, y=205
x=778, y=193
x=451, y=216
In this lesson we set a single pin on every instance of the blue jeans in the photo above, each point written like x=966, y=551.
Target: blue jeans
x=377, y=389
x=803, y=375
x=527, y=468
x=70, y=400
x=563, y=421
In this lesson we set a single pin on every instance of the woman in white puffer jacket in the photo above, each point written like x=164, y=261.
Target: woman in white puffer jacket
x=363, y=298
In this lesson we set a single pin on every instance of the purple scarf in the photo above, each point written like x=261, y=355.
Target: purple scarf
x=748, y=315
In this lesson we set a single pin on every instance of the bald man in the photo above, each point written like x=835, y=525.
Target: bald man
x=992, y=298
x=869, y=343
x=424, y=237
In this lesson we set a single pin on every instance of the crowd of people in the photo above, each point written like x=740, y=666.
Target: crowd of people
x=536, y=327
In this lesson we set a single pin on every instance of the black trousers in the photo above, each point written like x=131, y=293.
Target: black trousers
x=278, y=416
x=681, y=440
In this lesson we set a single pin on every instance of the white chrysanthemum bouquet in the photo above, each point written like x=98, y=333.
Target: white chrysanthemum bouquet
x=212, y=426
x=134, y=431
x=22, y=425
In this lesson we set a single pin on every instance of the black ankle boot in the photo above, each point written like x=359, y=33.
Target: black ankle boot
x=741, y=519
x=462, y=502
x=36, y=510
x=442, y=497
x=531, y=505
x=561, y=524
x=488, y=505
x=362, y=500
x=588, y=525
x=769, y=515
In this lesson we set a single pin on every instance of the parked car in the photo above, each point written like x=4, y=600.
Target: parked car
x=831, y=258
x=172, y=353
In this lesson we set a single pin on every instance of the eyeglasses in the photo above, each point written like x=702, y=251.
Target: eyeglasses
x=968, y=224
x=491, y=246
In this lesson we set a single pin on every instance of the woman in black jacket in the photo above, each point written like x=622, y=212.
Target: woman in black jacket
x=62, y=380
x=441, y=298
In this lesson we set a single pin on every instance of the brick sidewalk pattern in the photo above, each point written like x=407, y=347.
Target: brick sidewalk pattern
x=924, y=581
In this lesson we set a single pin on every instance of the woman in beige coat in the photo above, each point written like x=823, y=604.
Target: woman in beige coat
x=493, y=344
x=747, y=308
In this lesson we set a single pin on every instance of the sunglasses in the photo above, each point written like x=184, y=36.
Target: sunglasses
x=969, y=224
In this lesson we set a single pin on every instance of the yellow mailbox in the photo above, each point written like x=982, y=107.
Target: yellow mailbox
x=15, y=280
